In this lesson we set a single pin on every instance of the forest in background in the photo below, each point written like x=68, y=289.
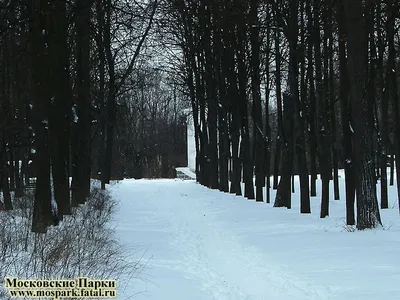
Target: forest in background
x=295, y=87
x=98, y=88
x=83, y=96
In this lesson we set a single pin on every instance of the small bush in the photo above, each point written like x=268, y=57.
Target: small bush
x=83, y=244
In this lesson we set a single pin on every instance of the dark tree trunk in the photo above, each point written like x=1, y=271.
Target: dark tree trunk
x=311, y=113
x=59, y=116
x=391, y=80
x=367, y=205
x=332, y=101
x=19, y=184
x=236, y=120
x=6, y=115
x=100, y=40
x=4, y=183
x=222, y=72
x=11, y=160
x=391, y=169
x=223, y=150
x=293, y=186
x=245, y=147
x=267, y=125
x=299, y=136
x=42, y=210
x=81, y=170
x=384, y=122
x=323, y=122
x=278, y=146
x=283, y=194
x=259, y=158
x=346, y=117
x=277, y=162
x=111, y=104
x=212, y=169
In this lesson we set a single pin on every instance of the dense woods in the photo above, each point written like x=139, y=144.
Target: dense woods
x=98, y=88
x=80, y=99
x=294, y=87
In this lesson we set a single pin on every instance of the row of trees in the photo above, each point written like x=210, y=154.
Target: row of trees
x=324, y=71
x=276, y=88
x=76, y=94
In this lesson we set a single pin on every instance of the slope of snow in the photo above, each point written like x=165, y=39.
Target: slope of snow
x=201, y=244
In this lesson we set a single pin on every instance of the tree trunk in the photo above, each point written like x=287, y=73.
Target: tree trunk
x=391, y=169
x=391, y=80
x=59, y=117
x=4, y=183
x=283, y=194
x=82, y=152
x=278, y=146
x=346, y=117
x=384, y=115
x=299, y=137
x=267, y=125
x=332, y=96
x=367, y=205
x=245, y=147
x=42, y=210
x=323, y=123
x=311, y=113
x=259, y=158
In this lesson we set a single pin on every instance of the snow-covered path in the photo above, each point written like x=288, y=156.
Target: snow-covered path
x=203, y=244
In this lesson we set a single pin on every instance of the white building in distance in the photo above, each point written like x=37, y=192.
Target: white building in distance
x=191, y=142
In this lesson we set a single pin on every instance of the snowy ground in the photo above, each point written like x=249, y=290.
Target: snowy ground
x=201, y=244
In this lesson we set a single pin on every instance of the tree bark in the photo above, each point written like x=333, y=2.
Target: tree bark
x=323, y=116
x=259, y=159
x=283, y=194
x=81, y=171
x=59, y=118
x=391, y=79
x=278, y=88
x=368, y=215
x=383, y=95
x=311, y=113
x=42, y=210
x=345, y=108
